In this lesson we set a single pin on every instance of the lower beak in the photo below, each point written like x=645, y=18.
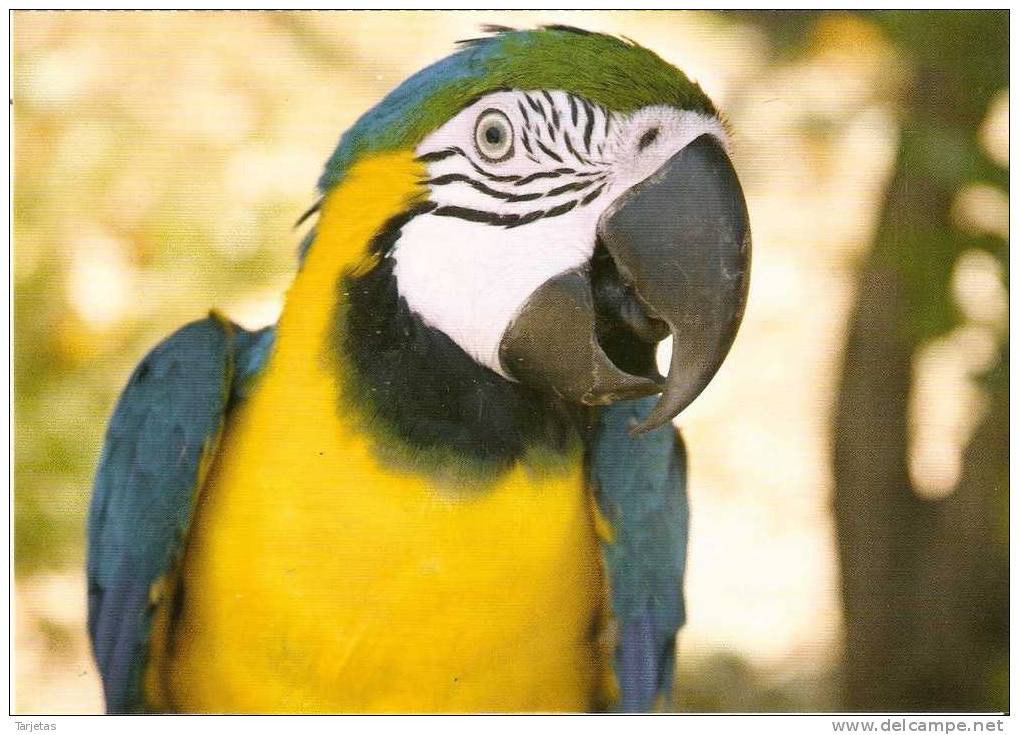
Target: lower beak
x=680, y=240
x=552, y=344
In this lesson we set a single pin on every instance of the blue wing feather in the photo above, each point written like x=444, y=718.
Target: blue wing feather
x=251, y=350
x=639, y=485
x=162, y=432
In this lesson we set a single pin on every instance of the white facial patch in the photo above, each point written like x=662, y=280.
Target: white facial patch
x=499, y=229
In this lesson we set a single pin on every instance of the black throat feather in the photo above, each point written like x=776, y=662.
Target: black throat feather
x=430, y=408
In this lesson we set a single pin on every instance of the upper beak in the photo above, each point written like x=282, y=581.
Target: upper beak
x=680, y=240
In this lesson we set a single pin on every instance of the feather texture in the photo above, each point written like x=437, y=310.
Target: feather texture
x=640, y=488
x=160, y=441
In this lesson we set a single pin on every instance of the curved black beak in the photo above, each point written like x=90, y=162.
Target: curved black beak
x=680, y=241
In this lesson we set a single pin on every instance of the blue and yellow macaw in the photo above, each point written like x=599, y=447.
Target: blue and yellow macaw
x=442, y=482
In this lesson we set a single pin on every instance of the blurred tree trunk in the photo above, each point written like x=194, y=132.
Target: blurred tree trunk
x=924, y=582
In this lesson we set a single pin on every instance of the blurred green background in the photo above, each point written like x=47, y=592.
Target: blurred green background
x=849, y=462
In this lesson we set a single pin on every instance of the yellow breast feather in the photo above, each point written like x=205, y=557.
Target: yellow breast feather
x=319, y=579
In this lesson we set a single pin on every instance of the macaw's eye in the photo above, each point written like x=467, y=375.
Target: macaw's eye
x=493, y=136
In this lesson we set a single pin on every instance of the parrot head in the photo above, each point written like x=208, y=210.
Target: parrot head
x=579, y=206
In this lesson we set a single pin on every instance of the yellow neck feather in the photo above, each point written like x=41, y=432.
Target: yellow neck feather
x=374, y=191
x=320, y=580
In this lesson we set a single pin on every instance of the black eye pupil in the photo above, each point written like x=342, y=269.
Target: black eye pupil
x=493, y=134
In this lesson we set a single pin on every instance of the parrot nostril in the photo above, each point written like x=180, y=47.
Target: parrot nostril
x=649, y=137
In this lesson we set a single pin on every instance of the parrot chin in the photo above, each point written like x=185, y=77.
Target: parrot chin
x=672, y=258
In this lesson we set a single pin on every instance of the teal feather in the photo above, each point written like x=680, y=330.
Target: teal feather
x=163, y=431
x=640, y=488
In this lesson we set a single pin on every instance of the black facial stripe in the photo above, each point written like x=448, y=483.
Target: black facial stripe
x=574, y=186
x=444, y=153
x=581, y=185
x=534, y=105
x=526, y=140
x=573, y=109
x=524, y=197
x=502, y=220
x=488, y=174
x=526, y=219
x=552, y=107
x=439, y=155
x=573, y=151
x=479, y=186
x=589, y=125
x=592, y=196
x=476, y=215
x=523, y=111
x=549, y=152
x=561, y=209
x=541, y=109
x=546, y=175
